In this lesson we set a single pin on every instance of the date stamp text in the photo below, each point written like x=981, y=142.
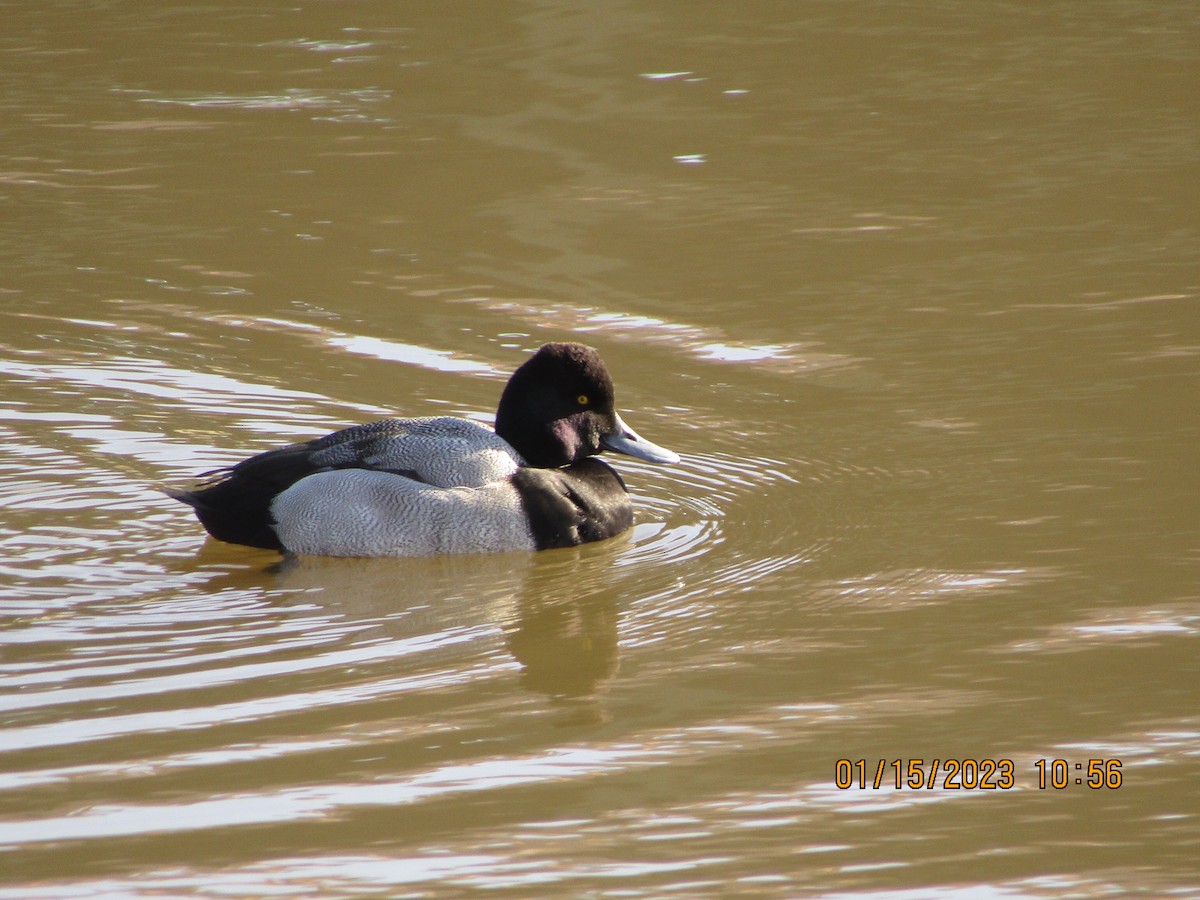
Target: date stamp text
x=974, y=774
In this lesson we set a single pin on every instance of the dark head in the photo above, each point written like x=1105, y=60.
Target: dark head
x=558, y=408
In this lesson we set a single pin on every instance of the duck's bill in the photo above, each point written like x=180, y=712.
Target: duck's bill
x=624, y=439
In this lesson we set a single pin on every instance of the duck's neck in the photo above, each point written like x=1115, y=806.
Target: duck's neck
x=542, y=444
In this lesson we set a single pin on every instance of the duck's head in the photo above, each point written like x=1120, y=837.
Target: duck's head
x=558, y=407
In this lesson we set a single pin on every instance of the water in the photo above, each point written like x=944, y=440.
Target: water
x=913, y=290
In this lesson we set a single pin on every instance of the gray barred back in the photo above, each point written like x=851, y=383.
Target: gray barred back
x=440, y=451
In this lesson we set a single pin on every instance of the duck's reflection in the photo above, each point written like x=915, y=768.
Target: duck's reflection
x=566, y=647
x=557, y=610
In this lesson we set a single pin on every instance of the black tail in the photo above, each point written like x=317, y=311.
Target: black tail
x=231, y=513
x=234, y=504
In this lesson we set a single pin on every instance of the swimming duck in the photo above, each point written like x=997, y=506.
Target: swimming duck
x=425, y=486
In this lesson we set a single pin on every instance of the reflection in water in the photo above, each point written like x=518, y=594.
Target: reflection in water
x=558, y=610
x=564, y=631
x=567, y=648
x=291, y=99
x=705, y=344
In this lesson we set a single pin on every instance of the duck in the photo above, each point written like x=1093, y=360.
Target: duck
x=443, y=485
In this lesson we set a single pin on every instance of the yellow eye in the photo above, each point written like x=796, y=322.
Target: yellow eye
x=583, y=400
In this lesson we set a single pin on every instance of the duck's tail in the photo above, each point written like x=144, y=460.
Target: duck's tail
x=231, y=510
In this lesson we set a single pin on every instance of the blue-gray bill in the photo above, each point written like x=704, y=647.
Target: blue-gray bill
x=625, y=440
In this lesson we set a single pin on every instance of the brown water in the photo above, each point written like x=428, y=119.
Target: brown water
x=912, y=287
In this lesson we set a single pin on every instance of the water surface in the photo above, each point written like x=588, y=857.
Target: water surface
x=911, y=288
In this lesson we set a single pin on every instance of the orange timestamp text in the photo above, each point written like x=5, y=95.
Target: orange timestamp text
x=973, y=774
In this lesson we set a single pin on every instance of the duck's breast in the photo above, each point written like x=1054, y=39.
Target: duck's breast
x=576, y=504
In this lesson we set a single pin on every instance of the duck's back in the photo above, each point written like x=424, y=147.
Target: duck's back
x=240, y=504
x=441, y=451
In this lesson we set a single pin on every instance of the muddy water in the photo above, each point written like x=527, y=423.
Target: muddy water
x=913, y=291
